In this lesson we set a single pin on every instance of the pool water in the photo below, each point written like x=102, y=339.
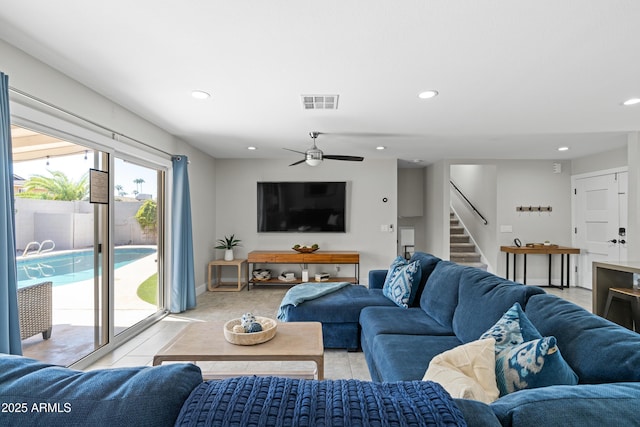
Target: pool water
x=70, y=267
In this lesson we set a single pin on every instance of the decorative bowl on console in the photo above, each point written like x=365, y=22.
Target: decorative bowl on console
x=305, y=249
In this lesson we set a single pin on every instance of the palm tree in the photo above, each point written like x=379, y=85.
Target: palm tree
x=120, y=189
x=138, y=182
x=56, y=187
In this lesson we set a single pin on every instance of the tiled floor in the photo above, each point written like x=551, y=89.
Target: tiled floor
x=263, y=301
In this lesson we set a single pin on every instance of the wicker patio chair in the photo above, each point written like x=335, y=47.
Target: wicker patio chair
x=34, y=307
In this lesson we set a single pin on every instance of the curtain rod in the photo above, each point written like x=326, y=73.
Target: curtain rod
x=113, y=132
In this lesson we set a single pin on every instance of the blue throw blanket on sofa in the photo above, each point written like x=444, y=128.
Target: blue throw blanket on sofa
x=305, y=292
x=283, y=402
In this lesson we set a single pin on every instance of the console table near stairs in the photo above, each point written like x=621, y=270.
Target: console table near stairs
x=291, y=257
x=563, y=251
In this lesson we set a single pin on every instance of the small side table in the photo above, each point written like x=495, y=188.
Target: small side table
x=219, y=285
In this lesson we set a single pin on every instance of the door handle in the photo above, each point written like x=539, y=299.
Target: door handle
x=622, y=241
x=614, y=241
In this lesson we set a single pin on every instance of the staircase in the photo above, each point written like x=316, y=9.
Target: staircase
x=461, y=249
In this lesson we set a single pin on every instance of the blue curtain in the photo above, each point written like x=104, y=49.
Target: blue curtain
x=183, y=284
x=9, y=327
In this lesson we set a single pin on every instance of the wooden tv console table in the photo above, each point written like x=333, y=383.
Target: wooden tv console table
x=292, y=257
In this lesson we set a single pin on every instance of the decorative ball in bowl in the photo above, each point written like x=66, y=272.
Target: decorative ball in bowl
x=265, y=332
x=305, y=249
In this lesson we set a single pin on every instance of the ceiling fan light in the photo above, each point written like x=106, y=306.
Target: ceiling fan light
x=313, y=162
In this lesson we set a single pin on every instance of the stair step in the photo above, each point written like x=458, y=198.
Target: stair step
x=459, y=238
x=465, y=257
x=462, y=247
x=456, y=230
x=453, y=222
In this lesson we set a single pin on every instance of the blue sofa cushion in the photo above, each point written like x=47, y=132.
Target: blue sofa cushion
x=532, y=364
x=341, y=306
x=512, y=329
x=401, y=283
x=52, y=395
x=482, y=299
x=571, y=406
x=394, y=320
x=598, y=350
x=477, y=414
x=440, y=295
x=407, y=357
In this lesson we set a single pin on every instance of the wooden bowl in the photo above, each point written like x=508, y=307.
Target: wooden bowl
x=305, y=250
x=269, y=327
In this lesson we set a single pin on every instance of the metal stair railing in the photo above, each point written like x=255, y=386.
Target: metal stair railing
x=469, y=202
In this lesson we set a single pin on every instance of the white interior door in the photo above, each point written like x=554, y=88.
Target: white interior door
x=601, y=211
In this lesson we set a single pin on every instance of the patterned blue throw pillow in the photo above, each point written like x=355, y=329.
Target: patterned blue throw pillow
x=532, y=364
x=401, y=278
x=512, y=329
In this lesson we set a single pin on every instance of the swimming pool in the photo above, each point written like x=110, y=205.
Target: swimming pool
x=70, y=267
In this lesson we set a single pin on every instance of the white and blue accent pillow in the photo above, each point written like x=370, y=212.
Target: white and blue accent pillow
x=401, y=278
x=513, y=328
x=532, y=364
x=524, y=359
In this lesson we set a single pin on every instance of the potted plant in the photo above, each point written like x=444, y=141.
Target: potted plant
x=228, y=243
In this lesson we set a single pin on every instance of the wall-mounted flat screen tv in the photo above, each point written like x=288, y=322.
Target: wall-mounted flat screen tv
x=301, y=207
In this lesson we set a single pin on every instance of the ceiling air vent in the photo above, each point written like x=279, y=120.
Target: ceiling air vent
x=319, y=102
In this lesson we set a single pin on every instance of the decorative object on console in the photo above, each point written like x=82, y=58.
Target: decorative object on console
x=322, y=277
x=306, y=249
x=258, y=331
x=228, y=243
x=287, y=277
x=261, y=274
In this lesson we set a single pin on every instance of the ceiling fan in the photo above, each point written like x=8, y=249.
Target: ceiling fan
x=314, y=156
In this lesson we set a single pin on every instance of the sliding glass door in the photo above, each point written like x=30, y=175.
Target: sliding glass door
x=88, y=226
x=137, y=232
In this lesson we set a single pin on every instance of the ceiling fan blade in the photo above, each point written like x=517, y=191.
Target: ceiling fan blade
x=348, y=158
x=298, y=162
x=295, y=151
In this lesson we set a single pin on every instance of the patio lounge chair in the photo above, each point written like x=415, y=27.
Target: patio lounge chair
x=34, y=307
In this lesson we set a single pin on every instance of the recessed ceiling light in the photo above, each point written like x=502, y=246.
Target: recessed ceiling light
x=631, y=101
x=252, y=148
x=427, y=94
x=563, y=148
x=417, y=161
x=381, y=147
x=200, y=94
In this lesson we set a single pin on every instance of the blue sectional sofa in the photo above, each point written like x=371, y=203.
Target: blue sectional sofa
x=458, y=304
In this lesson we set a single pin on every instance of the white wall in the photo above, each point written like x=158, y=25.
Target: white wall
x=533, y=183
x=602, y=161
x=633, y=219
x=436, y=209
x=367, y=184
